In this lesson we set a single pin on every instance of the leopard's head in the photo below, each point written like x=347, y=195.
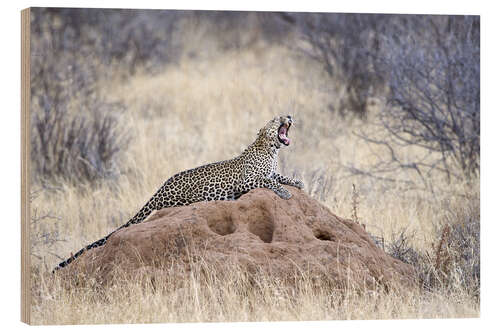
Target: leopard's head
x=275, y=133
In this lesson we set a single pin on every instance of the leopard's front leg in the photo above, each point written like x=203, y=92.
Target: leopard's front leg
x=288, y=181
x=265, y=182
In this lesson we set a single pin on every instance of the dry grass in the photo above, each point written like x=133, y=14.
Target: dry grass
x=209, y=109
x=209, y=296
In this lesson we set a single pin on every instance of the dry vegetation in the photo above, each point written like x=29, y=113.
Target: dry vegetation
x=207, y=107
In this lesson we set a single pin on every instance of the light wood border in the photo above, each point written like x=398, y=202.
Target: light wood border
x=25, y=167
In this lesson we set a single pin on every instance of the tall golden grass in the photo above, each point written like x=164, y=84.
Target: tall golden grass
x=206, y=296
x=210, y=108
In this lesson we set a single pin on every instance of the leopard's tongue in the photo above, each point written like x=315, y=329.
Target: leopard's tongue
x=282, y=135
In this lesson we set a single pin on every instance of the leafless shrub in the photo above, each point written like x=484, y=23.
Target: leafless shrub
x=75, y=148
x=463, y=248
x=149, y=39
x=238, y=30
x=345, y=44
x=74, y=130
x=431, y=65
x=127, y=36
x=400, y=248
x=453, y=261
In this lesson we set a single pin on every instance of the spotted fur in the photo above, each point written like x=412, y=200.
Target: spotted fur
x=226, y=180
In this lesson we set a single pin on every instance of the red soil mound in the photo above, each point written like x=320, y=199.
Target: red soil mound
x=258, y=232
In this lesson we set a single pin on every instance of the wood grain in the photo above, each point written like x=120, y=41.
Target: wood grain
x=25, y=167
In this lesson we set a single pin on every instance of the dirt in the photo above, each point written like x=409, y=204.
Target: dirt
x=259, y=232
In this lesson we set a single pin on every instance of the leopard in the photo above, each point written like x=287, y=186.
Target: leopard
x=255, y=167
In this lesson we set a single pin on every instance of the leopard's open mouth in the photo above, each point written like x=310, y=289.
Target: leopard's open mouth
x=283, y=134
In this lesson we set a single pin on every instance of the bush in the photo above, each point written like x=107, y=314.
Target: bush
x=129, y=37
x=453, y=262
x=75, y=148
x=427, y=70
x=75, y=133
x=345, y=44
x=431, y=65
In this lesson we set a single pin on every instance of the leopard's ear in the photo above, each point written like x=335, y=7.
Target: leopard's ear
x=261, y=133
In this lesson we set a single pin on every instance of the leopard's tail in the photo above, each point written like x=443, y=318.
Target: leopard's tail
x=138, y=218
